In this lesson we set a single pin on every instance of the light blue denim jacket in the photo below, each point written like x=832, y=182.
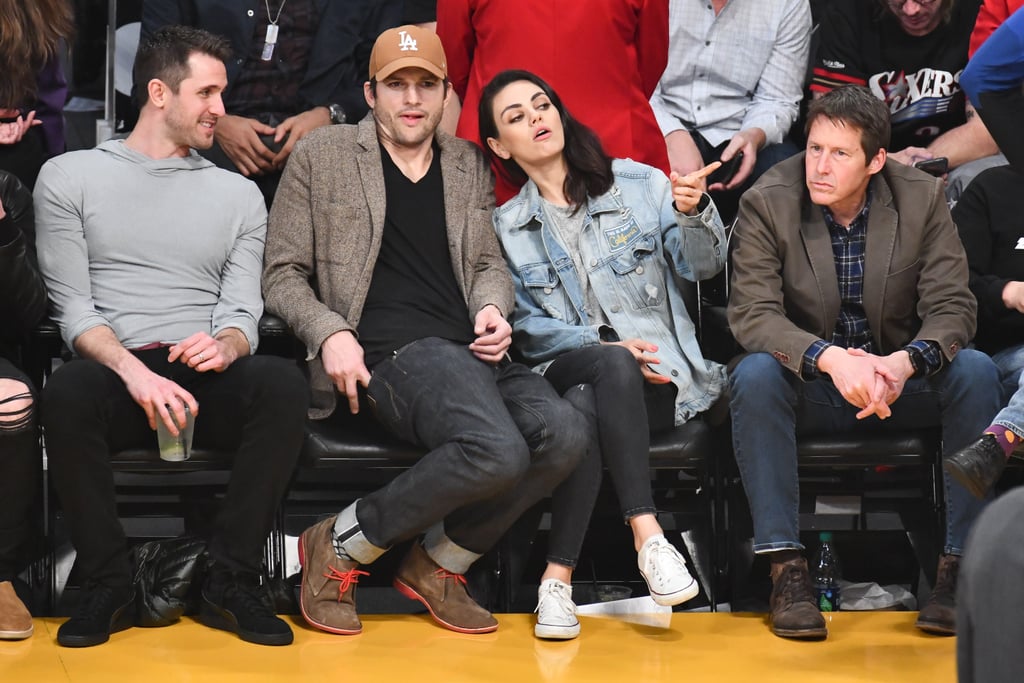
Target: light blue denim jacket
x=632, y=235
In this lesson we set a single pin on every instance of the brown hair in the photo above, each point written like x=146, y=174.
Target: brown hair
x=165, y=54
x=30, y=33
x=856, y=106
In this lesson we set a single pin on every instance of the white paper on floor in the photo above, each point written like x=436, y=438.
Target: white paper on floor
x=642, y=610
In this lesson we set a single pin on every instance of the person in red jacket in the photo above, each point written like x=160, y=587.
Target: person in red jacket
x=991, y=15
x=604, y=57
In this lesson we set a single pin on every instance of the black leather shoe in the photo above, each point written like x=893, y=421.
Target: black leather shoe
x=103, y=610
x=977, y=466
x=237, y=602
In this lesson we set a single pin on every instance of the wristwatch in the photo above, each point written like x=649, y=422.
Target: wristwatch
x=337, y=113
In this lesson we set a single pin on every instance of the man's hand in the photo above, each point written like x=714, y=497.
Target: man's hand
x=683, y=155
x=203, y=353
x=342, y=356
x=1013, y=294
x=640, y=350
x=12, y=133
x=911, y=155
x=748, y=141
x=239, y=137
x=688, y=189
x=493, y=335
x=159, y=397
x=295, y=128
x=892, y=373
x=854, y=374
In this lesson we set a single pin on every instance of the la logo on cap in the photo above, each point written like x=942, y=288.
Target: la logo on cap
x=407, y=42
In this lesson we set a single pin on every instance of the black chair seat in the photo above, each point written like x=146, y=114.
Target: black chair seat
x=357, y=444
x=868, y=450
x=685, y=447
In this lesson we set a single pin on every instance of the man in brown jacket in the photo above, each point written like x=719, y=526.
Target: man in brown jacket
x=382, y=258
x=850, y=293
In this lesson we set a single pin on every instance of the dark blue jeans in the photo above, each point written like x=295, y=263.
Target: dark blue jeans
x=500, y=439
x=771, y=408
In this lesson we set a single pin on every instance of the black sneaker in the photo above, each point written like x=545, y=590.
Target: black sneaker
x=103, y=610
x=238, y=602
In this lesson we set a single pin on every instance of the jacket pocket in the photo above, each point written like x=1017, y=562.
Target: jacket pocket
x=640, y=271
x=545, y=289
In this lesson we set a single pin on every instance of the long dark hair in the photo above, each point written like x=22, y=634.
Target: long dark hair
x=31, y=32
x=590, y=168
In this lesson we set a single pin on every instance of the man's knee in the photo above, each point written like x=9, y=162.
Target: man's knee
x=756, y=371
x=17, y=409
x=74, y=384
x=498, y=460
x=570, y=431
x=975, y=371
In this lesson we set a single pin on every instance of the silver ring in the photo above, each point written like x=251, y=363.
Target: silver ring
x=201, y=358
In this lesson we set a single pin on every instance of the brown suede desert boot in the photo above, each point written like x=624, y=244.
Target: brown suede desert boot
x=443, y=593
x=938, y=615
x=15, y=620
x=794, y=611
x=328, y=595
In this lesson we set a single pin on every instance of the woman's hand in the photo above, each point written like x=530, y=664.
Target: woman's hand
x=12, y=133
x=688, y=189
x=640, y=350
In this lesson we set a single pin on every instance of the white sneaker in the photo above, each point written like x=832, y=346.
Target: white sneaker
x=664, y=570
x=556, y=612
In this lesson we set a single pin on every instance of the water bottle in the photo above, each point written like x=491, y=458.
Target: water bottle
x=825, y=573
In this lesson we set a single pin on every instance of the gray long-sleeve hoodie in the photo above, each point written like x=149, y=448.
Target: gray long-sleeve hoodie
x=155, y=249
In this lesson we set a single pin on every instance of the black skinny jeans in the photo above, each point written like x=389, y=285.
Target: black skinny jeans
x=256, y=408
x=20, y=473
x=626, y=408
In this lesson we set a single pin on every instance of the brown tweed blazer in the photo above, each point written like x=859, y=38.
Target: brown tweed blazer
x=785, y=292
x=324, y=235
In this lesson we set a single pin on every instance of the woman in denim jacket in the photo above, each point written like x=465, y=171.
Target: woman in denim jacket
x=591, y=243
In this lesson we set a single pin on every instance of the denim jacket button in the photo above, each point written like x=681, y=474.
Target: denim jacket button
x=639, y=270
x=547, y=290
x=616, y=308
x=593, y=263
x=675, y=373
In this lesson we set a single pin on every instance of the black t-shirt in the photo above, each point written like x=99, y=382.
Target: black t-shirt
x=917, y=77
x=988, y=219
x=413, y=293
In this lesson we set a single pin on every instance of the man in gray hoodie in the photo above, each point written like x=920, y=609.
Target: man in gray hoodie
x=152, y=258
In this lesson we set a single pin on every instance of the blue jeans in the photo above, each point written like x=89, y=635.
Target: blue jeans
x=1010, y=362
x=771, y=407
x=500, y=440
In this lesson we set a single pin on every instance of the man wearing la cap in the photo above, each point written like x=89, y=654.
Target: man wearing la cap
x=382, y=258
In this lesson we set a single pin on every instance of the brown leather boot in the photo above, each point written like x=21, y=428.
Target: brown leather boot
x=794, y=612
x=15, y=620
x=443, y=593
x=938, y=615
x=328, y=595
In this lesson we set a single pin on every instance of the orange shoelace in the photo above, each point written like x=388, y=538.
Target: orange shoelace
x=443, y=574
x=346, y=579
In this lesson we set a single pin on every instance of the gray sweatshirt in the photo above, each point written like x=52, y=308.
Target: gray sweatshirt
x=155, y=249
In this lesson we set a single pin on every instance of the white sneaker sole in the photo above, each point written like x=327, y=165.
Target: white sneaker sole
x=689, y=592
x=554, y=632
